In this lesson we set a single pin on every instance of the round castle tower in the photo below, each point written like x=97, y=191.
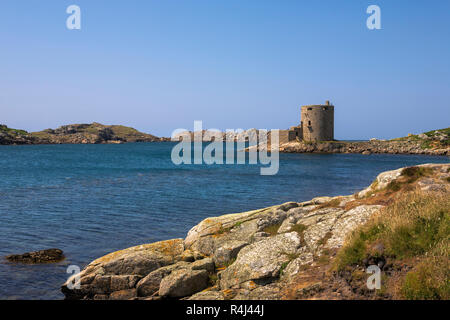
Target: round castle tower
x=318, y=122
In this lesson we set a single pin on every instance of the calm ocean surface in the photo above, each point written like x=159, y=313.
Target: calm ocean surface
x=89, y=200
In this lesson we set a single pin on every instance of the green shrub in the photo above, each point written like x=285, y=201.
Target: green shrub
x=414, y=173
x=411, y=226
x=352, y=253
x=272, y=229
x=416, y=238
x=283, y=267
x=394, y=186
x=355, y=251
x=430, y=280
x=213, y=279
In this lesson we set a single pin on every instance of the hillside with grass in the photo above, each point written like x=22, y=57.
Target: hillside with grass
x=408, y=239
x=93, y=133
x=15, y=136
x=435, y=139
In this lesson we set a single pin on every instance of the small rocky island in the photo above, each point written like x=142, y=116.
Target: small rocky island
x=37, y=257
x=318, y=249
x=94, y=133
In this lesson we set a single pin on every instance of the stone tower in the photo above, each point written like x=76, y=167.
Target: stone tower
x=317, y=122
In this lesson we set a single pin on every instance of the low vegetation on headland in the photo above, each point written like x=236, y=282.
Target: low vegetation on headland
x=318, y=249
x=436, y=142
x=15, y=136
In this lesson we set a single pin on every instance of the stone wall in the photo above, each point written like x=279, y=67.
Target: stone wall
x=295, y=133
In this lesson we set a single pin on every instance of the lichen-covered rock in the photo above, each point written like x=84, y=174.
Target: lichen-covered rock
x=321, y=200
x=139, y=261
x=319, y=223
x=207, y=295
x=149, y=285
x=398, y=146
x=182, y=283
x=287, y=224
x=214, y=233
x=261, y=260
x=295, y=265
x=216, y=225
x=381, y=182
x=121, y=282
x=275, y=217
x=270, y=291
x=288, y=205
x=347, y=222
x=123, y=295
x=203, y=264
x=228, y=251
x=257, y=252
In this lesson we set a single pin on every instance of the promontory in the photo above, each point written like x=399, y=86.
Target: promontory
x=318, y=249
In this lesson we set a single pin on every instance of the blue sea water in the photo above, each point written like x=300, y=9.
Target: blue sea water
x=89, y=200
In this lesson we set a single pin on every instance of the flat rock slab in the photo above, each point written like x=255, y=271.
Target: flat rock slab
x=261, y=260
x=122, y=269
x=182, y=283
x=36, y=257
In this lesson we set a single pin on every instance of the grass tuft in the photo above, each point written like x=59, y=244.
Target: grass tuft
x=272, y=229
x=331, y=204
x=394, y=186
x=429, y=280
x=414, y=173
x=411, y=226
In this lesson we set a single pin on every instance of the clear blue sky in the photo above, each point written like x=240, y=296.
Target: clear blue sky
x=160, y=65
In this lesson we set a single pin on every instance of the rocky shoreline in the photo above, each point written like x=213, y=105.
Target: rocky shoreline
x=366, y=148
x=281, y=252
x=435, y=142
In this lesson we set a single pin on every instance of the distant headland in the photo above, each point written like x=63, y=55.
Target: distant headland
x=94, y=133
x=435, y=142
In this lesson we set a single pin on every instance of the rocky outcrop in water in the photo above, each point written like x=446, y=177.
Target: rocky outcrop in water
x=251, y=255
x=36, y=257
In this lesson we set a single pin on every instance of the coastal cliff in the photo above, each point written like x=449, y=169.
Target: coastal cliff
x=318, y=249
